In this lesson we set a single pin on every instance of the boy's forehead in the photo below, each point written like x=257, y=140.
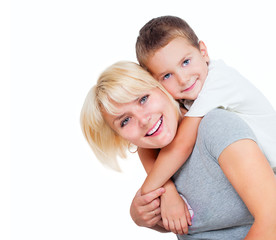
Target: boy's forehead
x=178, y=44
x=172, y=53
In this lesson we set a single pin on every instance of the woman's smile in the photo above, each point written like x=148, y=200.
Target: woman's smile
x=154, y=131
x=148, y=123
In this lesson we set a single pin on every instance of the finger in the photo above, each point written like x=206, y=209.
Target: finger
x=150, y=216
x=172, y=226
x=160, y=223
x=153, y=221
x=149, y=197
x=145, y=200
x=156, y=211
x=166, y=224
x=184, y=226
x=138, y=194
x=188, y=215
x=178, y=227
x=153, y=206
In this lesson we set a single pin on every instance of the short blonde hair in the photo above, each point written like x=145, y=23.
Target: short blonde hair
x=122, y=82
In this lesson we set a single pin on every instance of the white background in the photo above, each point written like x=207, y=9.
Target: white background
x=53, y=51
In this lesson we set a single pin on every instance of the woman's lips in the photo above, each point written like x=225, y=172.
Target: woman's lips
x=156, y=127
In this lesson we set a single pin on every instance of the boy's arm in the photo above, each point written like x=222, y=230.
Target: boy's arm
x=148, y=157
x=173, y=205
x=173, y=156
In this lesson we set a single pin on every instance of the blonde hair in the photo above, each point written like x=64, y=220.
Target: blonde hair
x=122, y=82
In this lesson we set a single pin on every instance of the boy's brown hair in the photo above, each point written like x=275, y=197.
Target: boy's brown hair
x=158, y=32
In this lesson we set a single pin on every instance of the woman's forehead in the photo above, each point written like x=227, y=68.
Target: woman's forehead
x=117, y=107
x=116, y=104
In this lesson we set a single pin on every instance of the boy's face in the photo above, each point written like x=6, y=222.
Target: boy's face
x=180, y=68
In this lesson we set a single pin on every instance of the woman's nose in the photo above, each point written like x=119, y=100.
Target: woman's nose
x=144, y=119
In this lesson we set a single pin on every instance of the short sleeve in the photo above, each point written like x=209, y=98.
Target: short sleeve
x=220, y=128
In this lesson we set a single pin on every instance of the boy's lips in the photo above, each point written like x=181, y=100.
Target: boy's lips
x=189, y=88
x=155, y=128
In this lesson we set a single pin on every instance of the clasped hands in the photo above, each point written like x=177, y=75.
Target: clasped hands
x=160, y=211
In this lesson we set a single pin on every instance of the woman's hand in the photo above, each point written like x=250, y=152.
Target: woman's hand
x=175, y=214
x=145, y=210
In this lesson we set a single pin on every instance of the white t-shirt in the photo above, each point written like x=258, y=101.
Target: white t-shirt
x=226, y=88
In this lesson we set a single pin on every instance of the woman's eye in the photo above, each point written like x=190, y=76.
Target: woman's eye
x=167, y=76
x=125, y=121
x=144, y=99
x=186, y=62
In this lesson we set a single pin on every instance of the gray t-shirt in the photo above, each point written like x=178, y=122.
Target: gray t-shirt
x=219, y=212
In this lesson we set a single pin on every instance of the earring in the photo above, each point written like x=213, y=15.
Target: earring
x=129, y=148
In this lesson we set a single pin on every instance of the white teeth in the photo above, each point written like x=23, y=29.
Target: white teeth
x=152, y=131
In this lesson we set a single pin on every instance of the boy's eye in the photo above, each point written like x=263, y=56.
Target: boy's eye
x=125, y=121
x=144, y=99
x=186, y=62
x=167, y=76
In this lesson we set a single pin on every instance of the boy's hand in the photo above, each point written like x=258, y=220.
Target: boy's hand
x=175, y=214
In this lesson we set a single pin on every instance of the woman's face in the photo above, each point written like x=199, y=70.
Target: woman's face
x=149, y=122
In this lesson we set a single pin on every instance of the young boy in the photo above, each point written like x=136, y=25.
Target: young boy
x=170, y=50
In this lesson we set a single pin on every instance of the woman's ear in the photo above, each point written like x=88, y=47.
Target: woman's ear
x=203, y=50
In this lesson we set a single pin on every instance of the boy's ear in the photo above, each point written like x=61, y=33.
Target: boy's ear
x=203, y=50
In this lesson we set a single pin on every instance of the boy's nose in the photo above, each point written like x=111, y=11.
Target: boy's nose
x=182, y=80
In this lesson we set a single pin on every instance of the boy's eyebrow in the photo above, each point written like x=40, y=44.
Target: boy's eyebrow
x=161, y=74
x=182, y=59
x=166, y=72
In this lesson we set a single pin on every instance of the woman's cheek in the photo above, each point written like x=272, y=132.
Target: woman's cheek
x=131, y=135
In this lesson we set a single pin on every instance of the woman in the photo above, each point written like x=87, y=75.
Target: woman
x=227, y=180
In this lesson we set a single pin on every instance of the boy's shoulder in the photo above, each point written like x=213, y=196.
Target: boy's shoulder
x=218, y=70
x=217, y=63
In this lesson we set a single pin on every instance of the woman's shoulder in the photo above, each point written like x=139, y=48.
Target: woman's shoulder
x=221, y=118
x=219, y=128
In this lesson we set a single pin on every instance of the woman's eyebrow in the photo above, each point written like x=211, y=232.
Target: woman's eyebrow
x=118, y=118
